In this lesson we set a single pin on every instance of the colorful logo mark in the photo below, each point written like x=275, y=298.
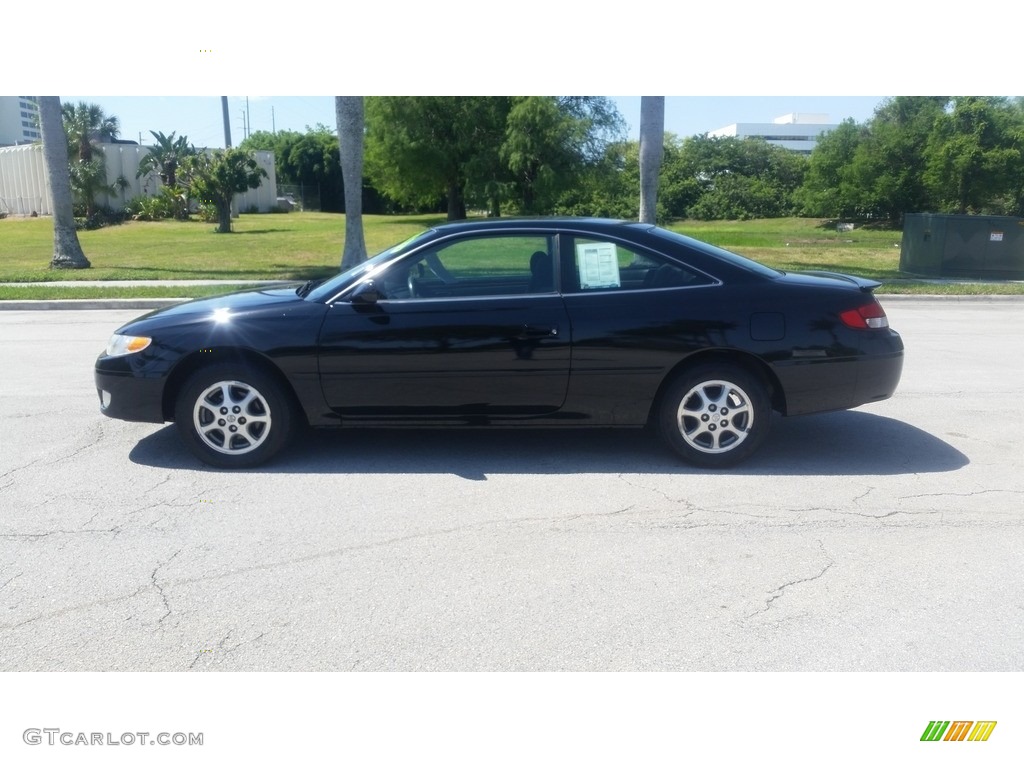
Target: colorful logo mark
x=958, y=730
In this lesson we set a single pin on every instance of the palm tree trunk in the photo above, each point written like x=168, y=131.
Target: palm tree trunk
x=67, y=251
x=652, y=148
x=349, y=111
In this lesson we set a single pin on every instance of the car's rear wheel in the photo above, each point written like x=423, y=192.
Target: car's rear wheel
x=715, y=415
x=233, y=416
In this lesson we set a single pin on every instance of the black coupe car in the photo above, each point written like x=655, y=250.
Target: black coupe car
x=532, y=322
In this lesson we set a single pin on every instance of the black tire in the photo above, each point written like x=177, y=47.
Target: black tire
x=233, y=416
x=715, y=415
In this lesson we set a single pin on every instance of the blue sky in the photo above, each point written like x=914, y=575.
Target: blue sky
x=200, y=117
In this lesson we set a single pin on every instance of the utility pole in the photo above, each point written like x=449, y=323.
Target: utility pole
x=227, y=122
x=227, y=143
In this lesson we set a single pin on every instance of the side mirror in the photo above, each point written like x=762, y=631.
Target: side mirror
x=366, y=295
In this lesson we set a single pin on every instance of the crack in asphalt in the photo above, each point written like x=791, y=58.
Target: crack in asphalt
x=912, y=513
x=11, y=579
x=313, y=557
x=622, y=476
x=159, y=588
x=613, y=513
x=962, y=495
x=781, y=590
x=32, y=463
x=857, y=499
x=33, y=536
x=115, y=529
x=49, y=460
x=226, y=651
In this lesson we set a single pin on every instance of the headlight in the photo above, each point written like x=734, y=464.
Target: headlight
x=126, y=345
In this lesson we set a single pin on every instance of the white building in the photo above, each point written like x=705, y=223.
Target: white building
x=19, y=120
x=797, y=132
x=25, y=189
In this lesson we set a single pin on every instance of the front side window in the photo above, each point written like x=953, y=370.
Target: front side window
x=604, y=265
x=499, y=265
x=340, y=282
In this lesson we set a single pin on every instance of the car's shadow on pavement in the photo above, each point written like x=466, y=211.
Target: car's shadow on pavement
x=842, y=443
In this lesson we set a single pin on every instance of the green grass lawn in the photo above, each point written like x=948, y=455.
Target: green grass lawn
x=292, y=246
x=301, y=246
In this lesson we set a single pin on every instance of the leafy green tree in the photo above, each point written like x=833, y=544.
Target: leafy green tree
x=309, y=159
x=550, y=142
x=974, y=158
x=921, y=153
x=420, y=149
x=265, y=141
x=485, y=150
x=889, y=165
x=680, y=187
x=740, y=178
x=612, y=187
x=216, y=177
x=67, y=250
x=829, y=189
x=609, y=187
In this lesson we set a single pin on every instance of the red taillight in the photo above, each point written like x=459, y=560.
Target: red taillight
x=868, y=316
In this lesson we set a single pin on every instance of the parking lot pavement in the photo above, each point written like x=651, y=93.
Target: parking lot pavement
x=885, y=538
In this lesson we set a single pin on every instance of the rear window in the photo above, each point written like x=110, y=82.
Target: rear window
x=720, y=253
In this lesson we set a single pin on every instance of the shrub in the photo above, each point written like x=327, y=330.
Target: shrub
x=170, y=203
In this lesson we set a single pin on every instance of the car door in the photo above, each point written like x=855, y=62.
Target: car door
x=471, y=327
x=635, y=313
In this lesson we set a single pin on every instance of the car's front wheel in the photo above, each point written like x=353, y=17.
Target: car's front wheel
x=232, y=416
x=715, y=415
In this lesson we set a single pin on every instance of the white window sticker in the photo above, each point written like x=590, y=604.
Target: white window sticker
x=996, y=237
x=598, y=265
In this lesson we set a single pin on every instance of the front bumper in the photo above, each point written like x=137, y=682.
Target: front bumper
x=125, y=395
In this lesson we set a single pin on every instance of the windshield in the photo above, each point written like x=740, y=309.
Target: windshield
x=340, y=282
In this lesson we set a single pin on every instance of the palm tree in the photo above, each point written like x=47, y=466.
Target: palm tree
x=89, y=179
x=652, y=149
x=165, y=157
x=86, y=124
x=349, y=111
x=67, y=251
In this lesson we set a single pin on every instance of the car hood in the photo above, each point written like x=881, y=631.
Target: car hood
x=277, y=299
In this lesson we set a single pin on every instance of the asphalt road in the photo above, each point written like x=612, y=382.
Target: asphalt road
x=887, y=538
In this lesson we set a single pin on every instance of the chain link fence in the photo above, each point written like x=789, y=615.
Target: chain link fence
x=304, y=197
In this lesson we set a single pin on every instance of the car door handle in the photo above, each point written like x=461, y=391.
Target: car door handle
x=538, y=331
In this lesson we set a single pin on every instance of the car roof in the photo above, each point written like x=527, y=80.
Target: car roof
x=547, y=222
